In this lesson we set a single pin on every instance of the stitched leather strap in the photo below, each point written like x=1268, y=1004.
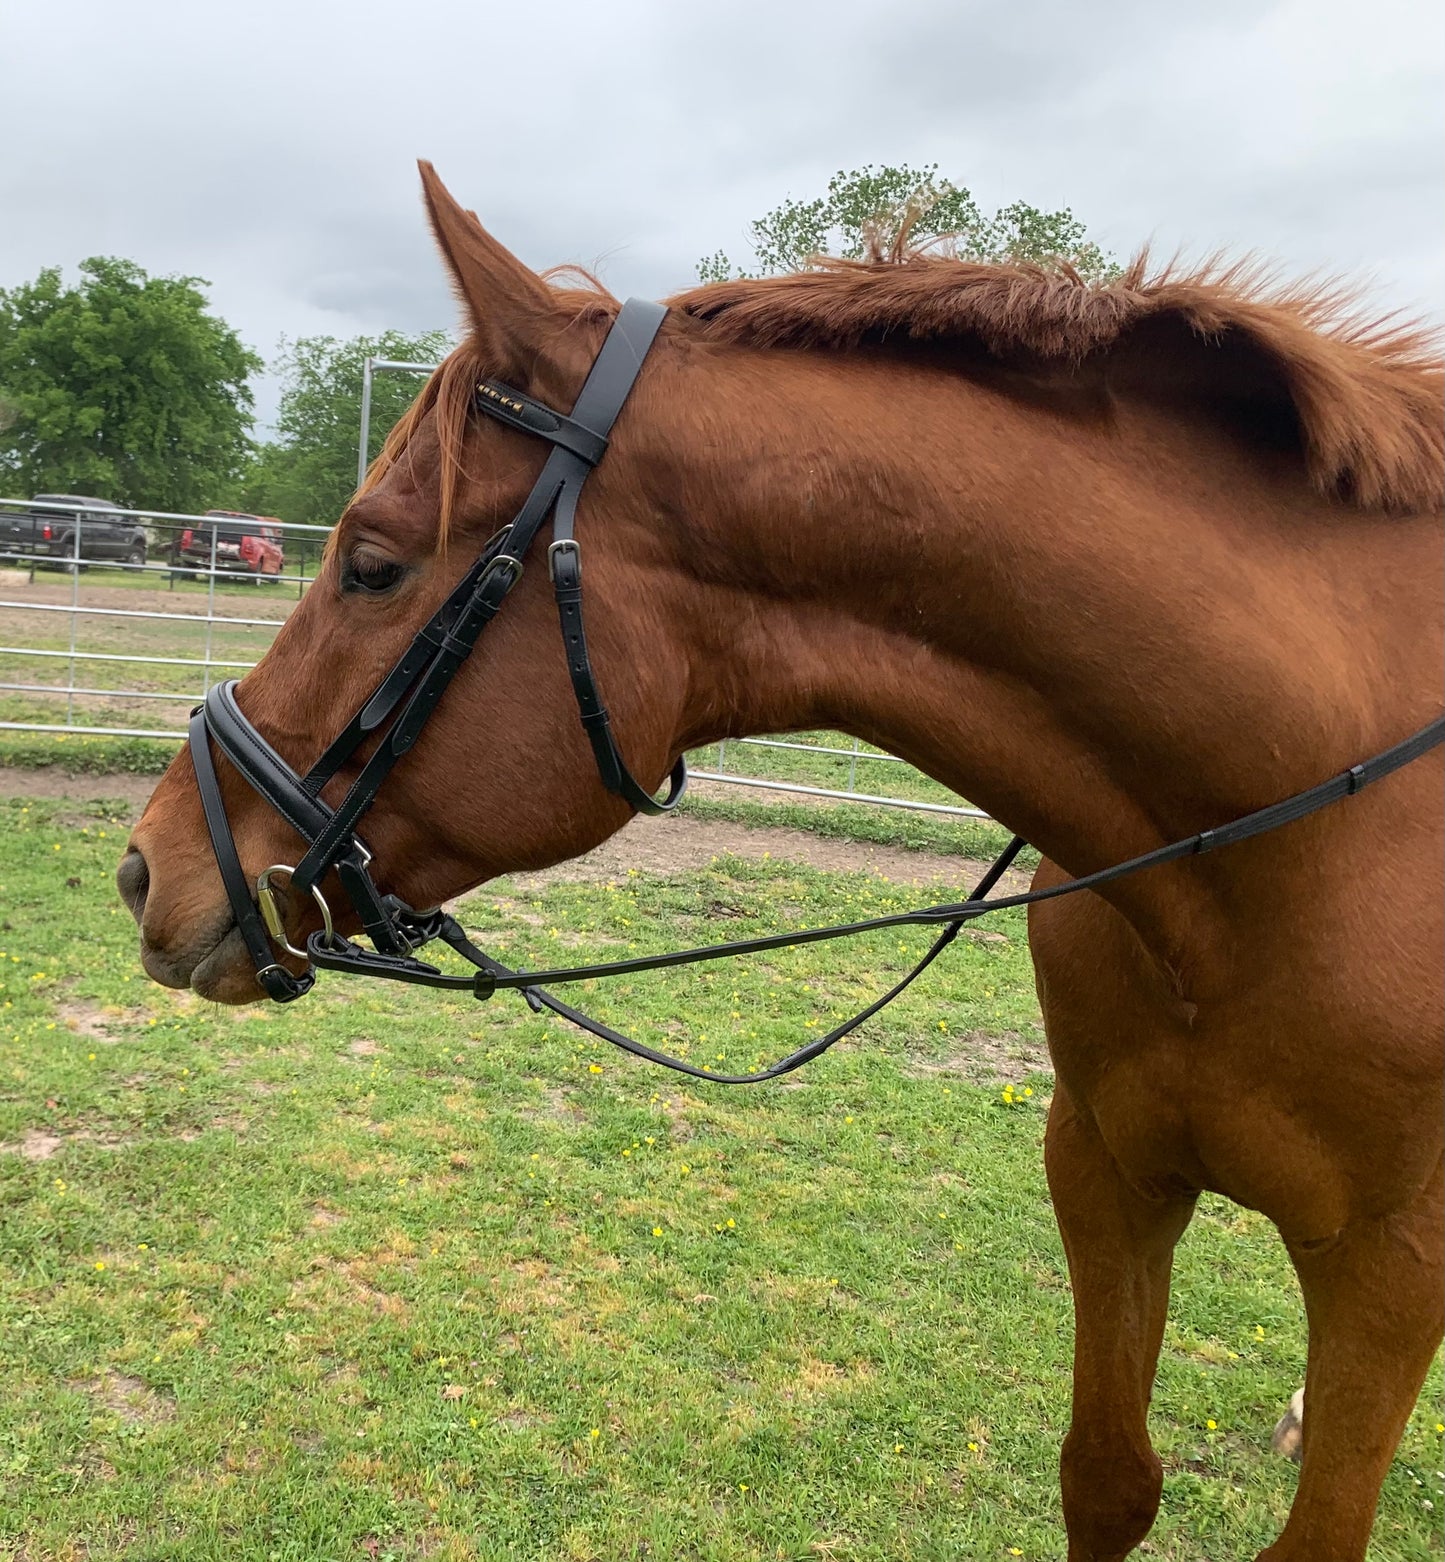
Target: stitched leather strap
x=531, y=417
x=276, y=981
x=564, y=559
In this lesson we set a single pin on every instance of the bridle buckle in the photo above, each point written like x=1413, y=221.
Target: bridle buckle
x=564, y=545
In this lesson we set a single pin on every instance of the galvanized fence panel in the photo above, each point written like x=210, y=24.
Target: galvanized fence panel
x=95, y=646
x=100, y=633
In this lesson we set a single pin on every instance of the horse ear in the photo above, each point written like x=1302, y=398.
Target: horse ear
x=511, y=310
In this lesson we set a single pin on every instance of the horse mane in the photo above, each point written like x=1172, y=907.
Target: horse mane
x=1364, y=392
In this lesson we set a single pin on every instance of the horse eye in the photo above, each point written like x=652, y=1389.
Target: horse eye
x=366, y=571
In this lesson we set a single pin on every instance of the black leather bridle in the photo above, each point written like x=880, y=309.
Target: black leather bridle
x=408, y=694
x=410, y=691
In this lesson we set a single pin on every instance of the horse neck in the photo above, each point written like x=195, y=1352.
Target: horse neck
x=1107, y=626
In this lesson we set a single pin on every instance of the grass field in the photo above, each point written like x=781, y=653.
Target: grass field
x=380, y=1276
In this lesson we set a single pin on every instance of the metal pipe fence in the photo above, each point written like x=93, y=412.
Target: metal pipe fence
x=207, y=597
x=153, y=604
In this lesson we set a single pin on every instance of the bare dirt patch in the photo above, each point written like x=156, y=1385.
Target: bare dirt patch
x=521, y=1420
x=679, y=1125
x=90, y=1020
x=679, y=844
x=986, y=1059
x=39, y=1144
x=128, y=1399
x=364, y=1047
x=553, y=1106
x=129, y=794
x=815, y=1377
x=347, y=1278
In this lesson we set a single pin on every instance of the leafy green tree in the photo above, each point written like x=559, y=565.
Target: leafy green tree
x=124, y=385
x=867, y=210
x=308, y=472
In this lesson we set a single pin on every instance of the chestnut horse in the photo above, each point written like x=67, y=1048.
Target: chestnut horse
x=1118, y=563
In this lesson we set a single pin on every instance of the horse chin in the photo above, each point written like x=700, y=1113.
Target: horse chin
x=216, y=967
x=226, y=974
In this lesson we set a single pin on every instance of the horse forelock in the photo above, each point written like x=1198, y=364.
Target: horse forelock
x=1366, y=390
x=448, y=399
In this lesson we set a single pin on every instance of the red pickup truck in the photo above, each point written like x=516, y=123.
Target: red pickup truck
x=246, y=544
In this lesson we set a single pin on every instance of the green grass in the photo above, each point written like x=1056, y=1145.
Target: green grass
x=383, y=1276
x=871, y=772
x=80, y=754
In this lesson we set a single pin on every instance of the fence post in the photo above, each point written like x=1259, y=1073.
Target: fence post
x=210, y=609
x=74, y=616
x=361, y=461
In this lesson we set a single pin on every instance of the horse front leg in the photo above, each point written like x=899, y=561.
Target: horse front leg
x=1120, y=1248
x=1374, y=1295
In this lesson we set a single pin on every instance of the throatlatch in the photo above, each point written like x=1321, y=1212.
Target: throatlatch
x=409, y=693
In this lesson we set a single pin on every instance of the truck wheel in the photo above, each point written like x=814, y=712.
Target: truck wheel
x=137, y=554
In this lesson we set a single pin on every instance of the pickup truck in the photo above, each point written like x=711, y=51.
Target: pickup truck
x=244, y=544
x=45, y=533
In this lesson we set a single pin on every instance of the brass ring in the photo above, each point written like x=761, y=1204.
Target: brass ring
x=271, y=915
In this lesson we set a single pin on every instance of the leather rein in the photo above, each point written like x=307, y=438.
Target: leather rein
x=408, y=694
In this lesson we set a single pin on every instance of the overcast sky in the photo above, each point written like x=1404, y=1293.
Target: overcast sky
x=269, y=147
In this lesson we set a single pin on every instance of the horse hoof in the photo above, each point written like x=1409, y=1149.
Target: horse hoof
x=1288, y=1436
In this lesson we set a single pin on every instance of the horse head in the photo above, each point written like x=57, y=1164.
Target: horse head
x=502, y=776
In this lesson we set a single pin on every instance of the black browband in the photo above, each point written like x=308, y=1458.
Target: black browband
x=409, y=693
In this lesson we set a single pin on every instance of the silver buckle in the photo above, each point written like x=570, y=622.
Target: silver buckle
x=511, y=564
x=565, y=545
x=271, y=914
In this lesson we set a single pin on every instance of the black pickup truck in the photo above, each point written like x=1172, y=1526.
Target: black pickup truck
x=45, y=533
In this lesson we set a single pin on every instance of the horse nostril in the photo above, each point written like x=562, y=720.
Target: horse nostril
x=133, y=880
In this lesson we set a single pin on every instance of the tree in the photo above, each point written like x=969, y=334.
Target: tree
x=869, y=208
x=125, y=386
x=308, y=472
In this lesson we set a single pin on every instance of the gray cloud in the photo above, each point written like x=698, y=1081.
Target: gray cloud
x=271, y=149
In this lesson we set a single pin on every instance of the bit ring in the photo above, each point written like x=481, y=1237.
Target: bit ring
x=271, y=913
